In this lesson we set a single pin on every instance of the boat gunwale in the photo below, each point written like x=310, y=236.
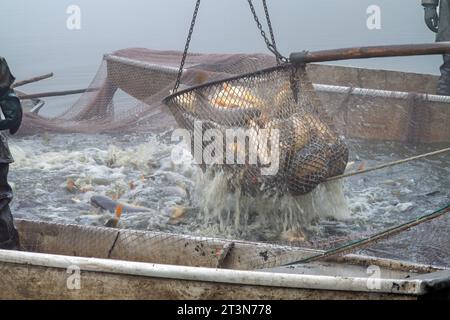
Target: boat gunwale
x=396, y=94
x=140, y=64
x=414, y=287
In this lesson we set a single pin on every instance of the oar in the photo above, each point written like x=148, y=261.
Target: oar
x=54, y=93
x=31, y=80
x=370, y=52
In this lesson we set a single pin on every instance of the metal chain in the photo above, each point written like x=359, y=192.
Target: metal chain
x=270, y=45
x=269, y=24
x=186, y=48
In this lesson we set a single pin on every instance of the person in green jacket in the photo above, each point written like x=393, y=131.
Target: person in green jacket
x=439, y=22
x=12, y=114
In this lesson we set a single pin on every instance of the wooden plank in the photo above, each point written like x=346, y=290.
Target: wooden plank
x=373, y=78
x=370, y=52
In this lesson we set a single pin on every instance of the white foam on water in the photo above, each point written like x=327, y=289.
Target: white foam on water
x=235, y=214
x=43, y=166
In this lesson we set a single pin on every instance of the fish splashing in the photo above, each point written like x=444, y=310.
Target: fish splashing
x=260, y=218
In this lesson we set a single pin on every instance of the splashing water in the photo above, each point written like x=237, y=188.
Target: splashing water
x=281, y=217
x=180, y=198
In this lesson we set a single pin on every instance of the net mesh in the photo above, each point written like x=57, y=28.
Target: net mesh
x=258, y=115
x=146, y=77
x=127, y=98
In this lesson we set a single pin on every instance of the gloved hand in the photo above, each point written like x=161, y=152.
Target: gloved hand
x=431, y=17
x=12, y=110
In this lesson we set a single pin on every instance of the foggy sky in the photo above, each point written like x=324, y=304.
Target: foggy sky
x=35, y=40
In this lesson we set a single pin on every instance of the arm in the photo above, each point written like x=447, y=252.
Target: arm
x=9, y=103
x=6, y=78
x=431, y=15
x=12, y=110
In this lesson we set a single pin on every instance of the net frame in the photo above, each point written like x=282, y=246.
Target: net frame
x=280, y=100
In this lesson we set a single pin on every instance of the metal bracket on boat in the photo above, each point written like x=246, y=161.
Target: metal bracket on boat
x=298, y=58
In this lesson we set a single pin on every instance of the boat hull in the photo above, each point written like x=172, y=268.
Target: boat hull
x=24, y=281
x=61, y=269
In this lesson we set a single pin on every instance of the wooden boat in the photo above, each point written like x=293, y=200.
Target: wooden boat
x=126, y=264
x=384, y=105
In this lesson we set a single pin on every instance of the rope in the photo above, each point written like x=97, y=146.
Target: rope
x=358, y=244
x=379, y=236
x=390, y=164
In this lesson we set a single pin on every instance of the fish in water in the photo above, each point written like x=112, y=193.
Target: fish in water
x=177, y=214
x=112, y=223
x=71, y=186
x=111, y=205
x=362, y=167
x=293, y=236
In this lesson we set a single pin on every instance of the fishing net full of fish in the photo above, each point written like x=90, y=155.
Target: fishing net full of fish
x=259, y=122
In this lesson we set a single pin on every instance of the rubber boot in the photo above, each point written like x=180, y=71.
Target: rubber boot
x=9, y=237
x=444, y=80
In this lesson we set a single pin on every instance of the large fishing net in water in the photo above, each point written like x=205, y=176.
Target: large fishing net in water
x=127, y=92
x=291, y=209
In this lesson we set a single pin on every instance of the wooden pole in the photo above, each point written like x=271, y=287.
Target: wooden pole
x=370, y=52
x=54, y=94
x=31, y=80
